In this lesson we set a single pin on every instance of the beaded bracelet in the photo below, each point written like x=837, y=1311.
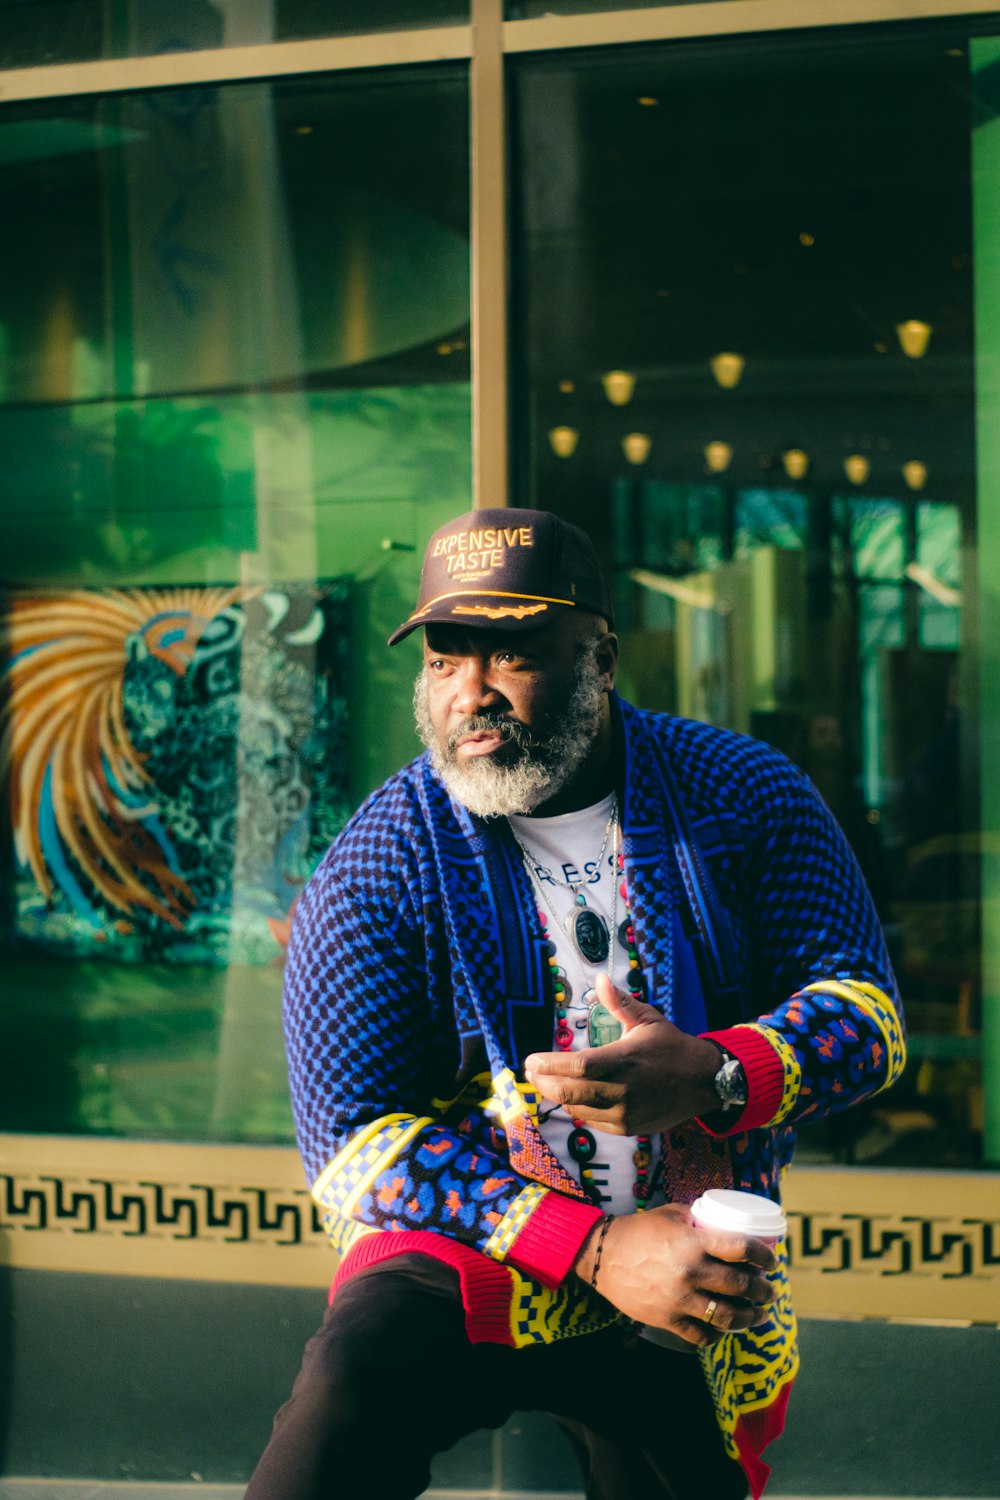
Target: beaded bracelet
x=608, y=1219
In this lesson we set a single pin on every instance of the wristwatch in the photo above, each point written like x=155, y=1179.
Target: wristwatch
x=730, y=1082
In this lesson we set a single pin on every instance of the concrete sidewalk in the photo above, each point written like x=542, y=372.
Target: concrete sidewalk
x=81, y=1489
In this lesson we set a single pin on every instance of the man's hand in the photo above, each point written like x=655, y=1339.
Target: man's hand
x=653, y=1077
x=659, y=1269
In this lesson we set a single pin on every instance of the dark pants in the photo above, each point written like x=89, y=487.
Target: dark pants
x=391, y=1379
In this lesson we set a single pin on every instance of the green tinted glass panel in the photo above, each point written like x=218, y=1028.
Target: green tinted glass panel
x=745, y=305
x=36, y=32
x=235, y=400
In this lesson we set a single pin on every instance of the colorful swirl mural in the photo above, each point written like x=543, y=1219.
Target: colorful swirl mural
x=174, y=761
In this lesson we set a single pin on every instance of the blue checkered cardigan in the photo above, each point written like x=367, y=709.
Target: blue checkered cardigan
x=417, y=982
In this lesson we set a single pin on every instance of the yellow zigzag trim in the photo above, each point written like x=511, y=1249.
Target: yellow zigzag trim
x=542, y=1315
x=747, y=1371
x=353, y=1170
x=470, y=1094
x=791, y=1069
x=344, y=1234
x=514, y=1220
x=510, y=1098
x=875, y=1004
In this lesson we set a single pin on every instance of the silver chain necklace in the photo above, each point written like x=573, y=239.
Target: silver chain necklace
x=586, y=928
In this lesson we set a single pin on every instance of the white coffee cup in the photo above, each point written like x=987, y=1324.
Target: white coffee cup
x=740, y=1213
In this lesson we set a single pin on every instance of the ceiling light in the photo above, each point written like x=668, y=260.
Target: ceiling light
x=718, y=457
x=618, y=386
x=567, y=387
x=915, y=474
x=805, y=238
x=647, y=100
x=636, y=446
x=796, y=462
x=914, y=337
x=857, y=468
x=728, y=369
x=563, y=441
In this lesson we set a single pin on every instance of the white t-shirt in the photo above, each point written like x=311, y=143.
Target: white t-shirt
x=567, y=848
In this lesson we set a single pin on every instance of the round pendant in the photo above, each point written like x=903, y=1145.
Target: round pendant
x=589, y=932
x=602, y=1027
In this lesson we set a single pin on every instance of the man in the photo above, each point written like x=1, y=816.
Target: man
x=567, y=970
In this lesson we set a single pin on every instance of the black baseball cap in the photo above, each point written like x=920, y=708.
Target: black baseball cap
x=509, y=570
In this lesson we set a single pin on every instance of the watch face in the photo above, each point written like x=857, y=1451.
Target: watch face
x=731, y=1083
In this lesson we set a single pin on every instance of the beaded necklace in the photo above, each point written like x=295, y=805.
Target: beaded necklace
x=581, y=1143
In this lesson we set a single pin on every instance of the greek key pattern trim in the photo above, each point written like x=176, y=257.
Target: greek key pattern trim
x=943, y=1247
x=835, y=1247
x=201, y=1212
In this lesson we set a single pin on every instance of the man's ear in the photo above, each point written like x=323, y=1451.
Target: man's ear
x=607, y=658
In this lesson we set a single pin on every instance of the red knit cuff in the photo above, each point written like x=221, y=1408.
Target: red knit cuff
x=765, y=1079
x=552, y=1238
x=485, y=1285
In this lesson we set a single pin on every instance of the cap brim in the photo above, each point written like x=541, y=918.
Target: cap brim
x=513, y=612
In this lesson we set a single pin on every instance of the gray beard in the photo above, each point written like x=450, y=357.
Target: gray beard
x=544, y=766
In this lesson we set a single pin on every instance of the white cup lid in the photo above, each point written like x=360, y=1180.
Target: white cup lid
x=740, y=1213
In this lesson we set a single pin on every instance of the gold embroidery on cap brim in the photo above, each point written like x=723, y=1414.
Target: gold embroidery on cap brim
x=518, y=612
x=418, y=614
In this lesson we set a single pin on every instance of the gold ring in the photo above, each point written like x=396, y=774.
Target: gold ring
x=709, y=1312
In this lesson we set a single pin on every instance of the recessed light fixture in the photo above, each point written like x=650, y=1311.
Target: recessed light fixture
x=915, y=474
x=728, y=369
x=618, y=386
x=563, y=441
x=796, y=462
x=718, y=457
x=647, y=101
x=567, y=387
x=914, y=336
x=304, y=129
x=636, y=446
x=805, y=238
x=857, y=468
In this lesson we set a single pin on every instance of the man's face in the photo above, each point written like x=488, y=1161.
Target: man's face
x=510, y=718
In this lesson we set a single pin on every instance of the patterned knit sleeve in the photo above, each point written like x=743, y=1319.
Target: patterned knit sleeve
x=366, y=1045
x=831, y=1030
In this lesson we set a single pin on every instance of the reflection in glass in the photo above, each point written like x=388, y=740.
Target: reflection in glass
x=61, y=31
x=794, y=204
x=235, y=337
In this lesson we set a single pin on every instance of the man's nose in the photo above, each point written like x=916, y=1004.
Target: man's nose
x=476, y=691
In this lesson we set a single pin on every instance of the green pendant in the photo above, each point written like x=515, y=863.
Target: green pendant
x=602, y=1026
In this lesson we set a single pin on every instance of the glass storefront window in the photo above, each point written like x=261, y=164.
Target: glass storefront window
x=34, y=33
x=744, y=314
x=234, y=399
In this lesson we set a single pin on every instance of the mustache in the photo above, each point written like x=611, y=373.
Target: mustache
x=510, y=730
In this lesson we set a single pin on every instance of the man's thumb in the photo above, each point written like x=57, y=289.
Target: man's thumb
x=622, y=1007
